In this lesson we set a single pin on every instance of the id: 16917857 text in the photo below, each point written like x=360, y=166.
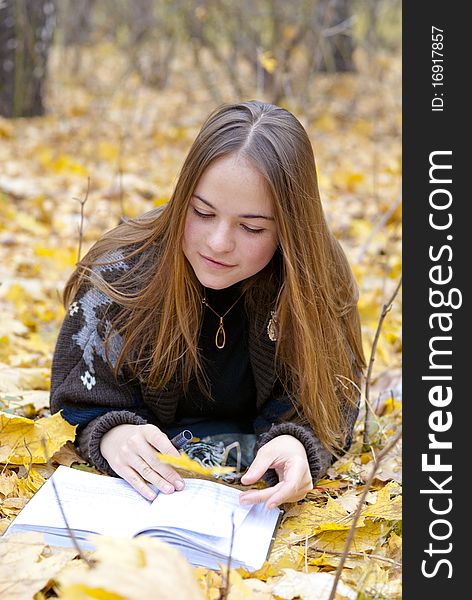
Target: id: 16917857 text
x=437, y=68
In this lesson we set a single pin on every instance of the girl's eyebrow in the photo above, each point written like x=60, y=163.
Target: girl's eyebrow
x=239, y=216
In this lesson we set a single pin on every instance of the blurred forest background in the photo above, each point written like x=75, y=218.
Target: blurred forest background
x=99, y=104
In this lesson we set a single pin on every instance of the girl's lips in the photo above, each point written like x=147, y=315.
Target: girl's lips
x=214, y=264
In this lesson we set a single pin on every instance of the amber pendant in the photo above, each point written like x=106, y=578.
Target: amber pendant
x=220, y=337
x=272, y=327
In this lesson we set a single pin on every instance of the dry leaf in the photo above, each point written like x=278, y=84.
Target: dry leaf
x=365, y=538
x=313, y=519
x=8, y=483
x=26, y=566
x=310, y=586
x=384, y=508
x=67, y=455
x=17, y=379
x=185, y=462
x=21, y=438
x=132, y=569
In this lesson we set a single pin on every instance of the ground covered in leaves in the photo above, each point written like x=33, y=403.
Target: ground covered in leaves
x=130, y=141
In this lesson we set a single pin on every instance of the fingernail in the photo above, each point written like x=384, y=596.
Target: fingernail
x=179, y=485
x=151, y=496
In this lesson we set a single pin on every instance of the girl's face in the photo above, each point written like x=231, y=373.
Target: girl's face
x=230, y=230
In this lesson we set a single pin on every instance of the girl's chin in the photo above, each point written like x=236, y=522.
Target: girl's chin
x=216, y=283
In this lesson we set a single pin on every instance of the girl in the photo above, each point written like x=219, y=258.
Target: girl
x=232, y=311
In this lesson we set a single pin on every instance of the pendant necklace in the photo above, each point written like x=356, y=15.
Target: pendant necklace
x=220, y=337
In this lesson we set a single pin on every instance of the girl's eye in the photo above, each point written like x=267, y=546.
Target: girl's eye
x=246, y=228
x=200, y=214
x=209, y=216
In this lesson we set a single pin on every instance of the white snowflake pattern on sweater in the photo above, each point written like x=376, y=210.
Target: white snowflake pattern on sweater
x=88, y=380
x=73, y=308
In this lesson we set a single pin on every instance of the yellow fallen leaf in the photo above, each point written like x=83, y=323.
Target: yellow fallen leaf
x=17, y=379
x=29, y=401
x=185, y=462
x=310, y=586
x=31, y=484
x=328, y=483
x=385, y=508
x=8, y=483
x=313, y=519
x=394, y=546
x=365, y=538
x=83, y=591
x=10, y=507
x=67, y=455
x=350, y=499
x=26, y=565
x=283, y=556
x=20, y=438
x=210, y=582
x=370, y=578
x=131, y=569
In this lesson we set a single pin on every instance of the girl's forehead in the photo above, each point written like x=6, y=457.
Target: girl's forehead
x=233, y=180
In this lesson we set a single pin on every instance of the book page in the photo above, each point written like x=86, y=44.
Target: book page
x=202, y=506
x=253, y=539
x=106, y=505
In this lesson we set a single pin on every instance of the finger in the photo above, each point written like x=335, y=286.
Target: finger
x=147, y=473
x=257, y=469
x=259, y=496
x=148, y=454
x=159, y=440
x=138, y=483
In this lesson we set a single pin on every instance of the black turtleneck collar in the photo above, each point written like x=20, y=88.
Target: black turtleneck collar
x=221, y=300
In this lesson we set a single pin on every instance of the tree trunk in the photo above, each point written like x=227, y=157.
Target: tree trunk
x=26, y=32
x=337, y=46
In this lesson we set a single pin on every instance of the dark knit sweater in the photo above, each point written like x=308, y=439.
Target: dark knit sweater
x=232, y=408
x=84, y=388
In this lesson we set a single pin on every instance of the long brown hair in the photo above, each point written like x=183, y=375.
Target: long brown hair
x=319, y=352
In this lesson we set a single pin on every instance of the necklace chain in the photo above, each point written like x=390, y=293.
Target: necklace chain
x=220, y=337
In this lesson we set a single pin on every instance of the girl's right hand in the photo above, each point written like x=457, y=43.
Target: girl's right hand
x=131, y=452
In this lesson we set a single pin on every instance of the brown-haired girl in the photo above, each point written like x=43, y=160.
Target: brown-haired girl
x=230, y=311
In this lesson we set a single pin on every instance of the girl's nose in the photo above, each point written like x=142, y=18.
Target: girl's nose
x=221, y=239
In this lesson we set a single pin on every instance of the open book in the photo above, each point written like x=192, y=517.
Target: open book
x=198, y=521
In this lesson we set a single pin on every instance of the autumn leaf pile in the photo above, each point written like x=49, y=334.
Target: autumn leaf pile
x=130, y=141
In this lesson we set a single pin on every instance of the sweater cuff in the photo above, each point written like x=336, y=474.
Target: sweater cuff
x=89, y=439
x=319, y=459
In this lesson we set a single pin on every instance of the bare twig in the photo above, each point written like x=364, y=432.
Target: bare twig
x=81, y=226
x=361, y=555
x=385, y=309
x=122, y=204
x=225, y=591
x=378, y=226
x=357, y=514
x=69, y=530
x=30, y=456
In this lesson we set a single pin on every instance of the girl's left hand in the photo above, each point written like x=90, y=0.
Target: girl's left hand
x=287, y=456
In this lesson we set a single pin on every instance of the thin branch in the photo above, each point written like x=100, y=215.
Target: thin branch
x=69, y=530
x=122, y=204
x=30, y=456
x=378, y=226
x=385, y=309
x=361, y=555
x=357, y=514
x=81, y=226
x=228, y=564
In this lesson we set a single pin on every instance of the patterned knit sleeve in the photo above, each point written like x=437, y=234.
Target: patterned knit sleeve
x=83, y=385
x=271, y=423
